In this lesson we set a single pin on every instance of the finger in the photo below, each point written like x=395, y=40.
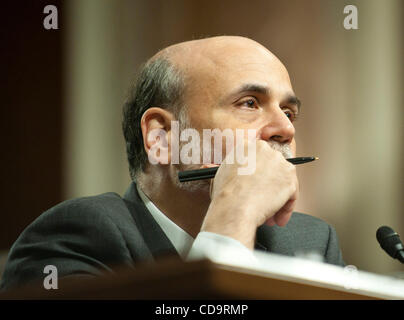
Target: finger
x=270, y=222
x=283, y=215
x=210, y=165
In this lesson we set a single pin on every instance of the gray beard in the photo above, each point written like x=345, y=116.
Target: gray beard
x=282, y=148
x=191, y=186
x=188, y=186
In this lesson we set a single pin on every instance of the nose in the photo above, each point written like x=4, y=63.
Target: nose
x=278, y=127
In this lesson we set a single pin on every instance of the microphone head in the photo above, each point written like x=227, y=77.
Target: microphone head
x=384, y=232
x=389, y=240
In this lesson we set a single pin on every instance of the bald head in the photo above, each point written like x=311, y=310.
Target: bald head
x=187, y=51
x=205, y=56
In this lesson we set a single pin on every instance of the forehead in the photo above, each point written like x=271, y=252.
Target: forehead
x=220, y=68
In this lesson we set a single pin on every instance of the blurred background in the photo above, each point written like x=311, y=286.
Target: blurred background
x=62, y=94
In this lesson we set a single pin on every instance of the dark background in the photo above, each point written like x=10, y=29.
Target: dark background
x=31, y=115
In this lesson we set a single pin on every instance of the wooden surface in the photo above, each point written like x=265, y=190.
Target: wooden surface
x=174, y=279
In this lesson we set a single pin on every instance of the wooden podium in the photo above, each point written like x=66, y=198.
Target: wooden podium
x=174, y=279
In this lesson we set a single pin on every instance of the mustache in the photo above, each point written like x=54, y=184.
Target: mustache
x=283, y=148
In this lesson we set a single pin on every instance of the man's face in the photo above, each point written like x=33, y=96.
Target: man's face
x=241, y=85
x=235, y=83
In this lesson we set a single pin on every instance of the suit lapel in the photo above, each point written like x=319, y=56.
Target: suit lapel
x=153, y=235
x=155, y=238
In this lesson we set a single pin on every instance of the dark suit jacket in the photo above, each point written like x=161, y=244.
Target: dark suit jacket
x=91, y=235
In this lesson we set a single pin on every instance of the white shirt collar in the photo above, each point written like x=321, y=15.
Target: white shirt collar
x=180, y=239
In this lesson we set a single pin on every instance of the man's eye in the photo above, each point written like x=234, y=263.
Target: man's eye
x=250, y=103
x=291, y=115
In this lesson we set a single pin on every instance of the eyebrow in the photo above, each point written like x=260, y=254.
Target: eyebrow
x=258, y=88
x=292, y=99
x=251, y=87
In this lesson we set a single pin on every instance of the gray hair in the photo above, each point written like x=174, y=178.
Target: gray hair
x=159, y=84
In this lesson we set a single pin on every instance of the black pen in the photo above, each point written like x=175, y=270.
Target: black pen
x=209, y=173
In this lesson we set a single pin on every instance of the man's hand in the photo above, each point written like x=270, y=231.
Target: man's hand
x=241, y=203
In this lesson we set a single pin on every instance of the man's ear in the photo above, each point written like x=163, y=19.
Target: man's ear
x=156, y=129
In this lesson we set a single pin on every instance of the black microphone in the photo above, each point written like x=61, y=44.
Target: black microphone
x=390, y=242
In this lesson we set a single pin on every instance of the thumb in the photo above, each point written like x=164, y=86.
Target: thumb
x=210, y=165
